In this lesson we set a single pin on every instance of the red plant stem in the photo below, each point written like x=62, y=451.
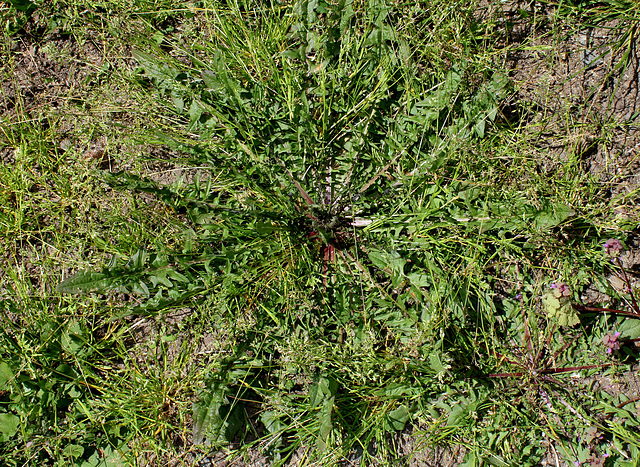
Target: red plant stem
x=573, y=368
x=622, y=404
x=549, y=371
x=628, y=282
x=628, y=341
x=634, y=304
x=605, y=310
x=505, y=375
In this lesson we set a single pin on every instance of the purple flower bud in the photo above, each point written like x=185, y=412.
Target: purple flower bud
x=611, y=342
x=613, y=247
x=561, y=289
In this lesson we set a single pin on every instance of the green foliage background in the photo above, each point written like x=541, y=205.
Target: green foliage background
x=359, y=238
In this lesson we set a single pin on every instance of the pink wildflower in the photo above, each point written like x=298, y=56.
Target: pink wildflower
x=613, y=247
x=611, y=342
x=561, y=289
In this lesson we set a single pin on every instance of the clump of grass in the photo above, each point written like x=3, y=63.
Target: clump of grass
x=63, y=390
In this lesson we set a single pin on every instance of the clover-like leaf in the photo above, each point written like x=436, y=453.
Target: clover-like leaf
x=560, y=309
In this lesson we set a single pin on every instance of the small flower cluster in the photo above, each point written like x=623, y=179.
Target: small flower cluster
x=560, y=289
x=611, y=342
x=592, y=435
x=595, y=460
x=613, y=247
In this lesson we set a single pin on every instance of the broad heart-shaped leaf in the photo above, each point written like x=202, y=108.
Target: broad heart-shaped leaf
x=629, y=328
x=85, y=281
x=397, y=419
x=72, y=338
x=6, y=375
x=73, y=450
x=8, y=425
x=24, y=6
x=108, y=456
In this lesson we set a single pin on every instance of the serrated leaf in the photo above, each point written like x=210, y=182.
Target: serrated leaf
x=160, y=277
x=552, y=215
x=215, y=419
x=153, y=67
x=324, y=389
x=629, y=328
x=378, y=259
x=195, y=112
x=206, y=416
x=85, y=281
x=322, y=396
x=438, y=366
x=140, y=288
x=139, y=259
x=551, y=303
x=175, y=275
